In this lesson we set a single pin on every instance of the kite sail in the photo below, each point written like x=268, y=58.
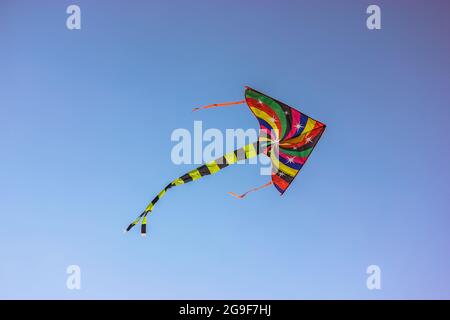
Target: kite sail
x=287, y=136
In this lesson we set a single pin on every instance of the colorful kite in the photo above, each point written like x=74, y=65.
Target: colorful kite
x=287, y=136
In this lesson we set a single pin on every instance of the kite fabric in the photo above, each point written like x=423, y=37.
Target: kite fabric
x=287, y=136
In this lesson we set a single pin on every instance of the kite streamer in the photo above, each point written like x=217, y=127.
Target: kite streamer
x=247, y=152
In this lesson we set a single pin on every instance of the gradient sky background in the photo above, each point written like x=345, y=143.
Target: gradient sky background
x=85, y=124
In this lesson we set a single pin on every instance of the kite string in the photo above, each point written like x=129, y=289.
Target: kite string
x=251, y=190
x=215, y=105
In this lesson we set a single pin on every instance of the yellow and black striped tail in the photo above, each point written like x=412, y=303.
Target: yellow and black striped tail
x=247, y=152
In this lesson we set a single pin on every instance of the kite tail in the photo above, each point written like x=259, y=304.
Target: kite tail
x=247, y=152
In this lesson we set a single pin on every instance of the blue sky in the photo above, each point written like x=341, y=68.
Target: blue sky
x=85, y=124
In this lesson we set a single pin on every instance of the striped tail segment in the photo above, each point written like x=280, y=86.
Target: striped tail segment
x=246, y=152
